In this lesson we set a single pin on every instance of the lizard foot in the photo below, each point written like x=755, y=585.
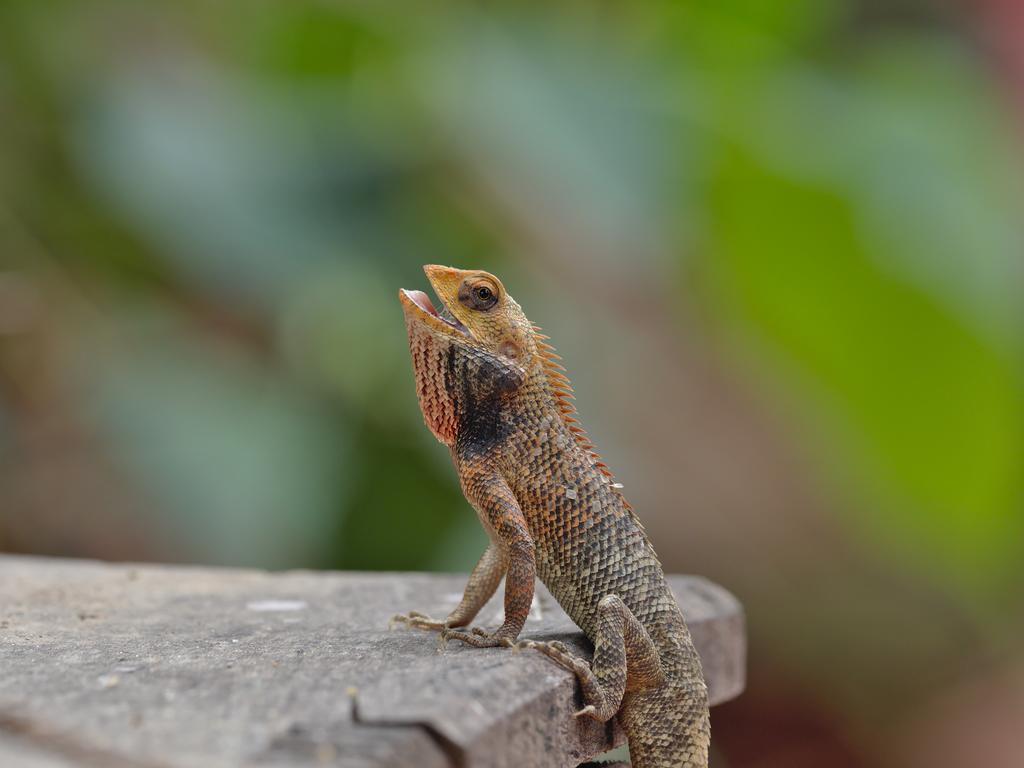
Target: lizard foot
x=417, y=620
x=477, y=637
x=558, y=653
x=598, y=706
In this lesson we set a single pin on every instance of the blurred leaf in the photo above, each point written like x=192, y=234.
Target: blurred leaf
x=951, y=220
x=727, y=37
x=561, y=129
x=245, y=190
x=402, y=505
x=331, y=330
x=303, y=41
x=243, y=468
x=930, y=411
x=919, y=146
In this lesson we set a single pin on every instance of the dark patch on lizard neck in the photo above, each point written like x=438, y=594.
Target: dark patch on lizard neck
x=478, y=383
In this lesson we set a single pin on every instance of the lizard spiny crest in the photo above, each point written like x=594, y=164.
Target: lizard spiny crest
x=561, y=388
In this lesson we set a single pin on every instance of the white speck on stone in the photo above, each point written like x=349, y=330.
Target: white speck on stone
x=618, y=485
x=108, y=681
x=570, y=493
x=275, y=606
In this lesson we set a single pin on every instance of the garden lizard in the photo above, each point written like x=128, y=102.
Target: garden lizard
x=492, y=390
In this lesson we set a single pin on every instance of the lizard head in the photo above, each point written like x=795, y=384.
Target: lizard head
x=477, y=348
x=476, y=311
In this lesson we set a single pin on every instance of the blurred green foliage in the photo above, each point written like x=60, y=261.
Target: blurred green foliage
x=206, y=210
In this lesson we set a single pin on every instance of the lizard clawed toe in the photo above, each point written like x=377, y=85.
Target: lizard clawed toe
x=588, y=711
x=477, y=637
x=557, y=652
x=417, y=620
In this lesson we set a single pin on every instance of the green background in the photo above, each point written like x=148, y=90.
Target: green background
x=779, y=245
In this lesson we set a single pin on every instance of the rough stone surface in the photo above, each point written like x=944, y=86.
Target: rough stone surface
x=16, y=753
x=146, y=666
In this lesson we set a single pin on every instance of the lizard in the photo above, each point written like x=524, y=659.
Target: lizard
x=492, y=390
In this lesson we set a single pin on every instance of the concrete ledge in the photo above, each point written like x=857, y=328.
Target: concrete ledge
x=143, y=665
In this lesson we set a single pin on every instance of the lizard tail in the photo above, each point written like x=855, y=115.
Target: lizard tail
x=668, y=727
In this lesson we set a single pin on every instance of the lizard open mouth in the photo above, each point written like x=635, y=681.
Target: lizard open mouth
x=425, y=305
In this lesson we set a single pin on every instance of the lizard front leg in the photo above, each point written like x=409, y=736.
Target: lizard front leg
x=482, y=584
x=492, y=497
x=625, y=659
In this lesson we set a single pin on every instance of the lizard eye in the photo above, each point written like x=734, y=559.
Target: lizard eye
x=481, y=296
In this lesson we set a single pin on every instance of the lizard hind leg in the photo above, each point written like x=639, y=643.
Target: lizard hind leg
x=625, y=659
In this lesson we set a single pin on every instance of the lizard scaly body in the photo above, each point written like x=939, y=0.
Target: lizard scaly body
x=491, y=390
